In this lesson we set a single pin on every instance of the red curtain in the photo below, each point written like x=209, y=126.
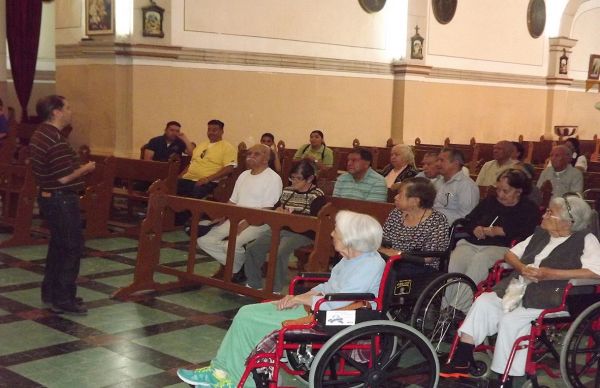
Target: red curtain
x=23, y=21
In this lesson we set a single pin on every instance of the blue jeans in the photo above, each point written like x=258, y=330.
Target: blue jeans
x=61, y=212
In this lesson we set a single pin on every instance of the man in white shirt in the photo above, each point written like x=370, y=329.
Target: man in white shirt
x=258, y=187
x=502, y=160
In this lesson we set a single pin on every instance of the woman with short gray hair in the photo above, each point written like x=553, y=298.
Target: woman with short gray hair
x=356, y=237
x=559, y=250
x=401, y=167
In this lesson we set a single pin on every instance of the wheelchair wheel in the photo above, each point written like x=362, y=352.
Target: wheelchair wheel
x=580, y=354
x=434, y=313
x=392, y=354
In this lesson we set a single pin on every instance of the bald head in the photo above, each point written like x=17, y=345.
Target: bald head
x=502, y=151
x=560, y=157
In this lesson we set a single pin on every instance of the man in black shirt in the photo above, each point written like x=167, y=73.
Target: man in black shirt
x=161, y=148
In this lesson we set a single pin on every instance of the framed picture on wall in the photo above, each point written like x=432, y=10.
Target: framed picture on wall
x=594, y=69
x=153, y=21
x=100, y=17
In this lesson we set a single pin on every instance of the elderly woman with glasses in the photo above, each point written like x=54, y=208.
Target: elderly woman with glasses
x=301, y=197
x=401, y=167
x=356, y=237
x=559, y=250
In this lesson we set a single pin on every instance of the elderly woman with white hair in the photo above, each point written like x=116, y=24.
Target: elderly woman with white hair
x=559, y=250
x=356, y=237
x=401, y=167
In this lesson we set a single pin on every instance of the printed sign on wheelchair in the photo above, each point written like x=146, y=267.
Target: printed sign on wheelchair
x=403, y=287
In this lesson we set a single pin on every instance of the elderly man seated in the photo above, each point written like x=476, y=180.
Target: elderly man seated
x=563, y=176
x=257, y=187
x=490, y=171
x=458, y=194
x=560, y=250
x=361, y=181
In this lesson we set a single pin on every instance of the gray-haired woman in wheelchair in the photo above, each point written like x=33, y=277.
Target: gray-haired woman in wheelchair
x=560, y=250
x=356, y=237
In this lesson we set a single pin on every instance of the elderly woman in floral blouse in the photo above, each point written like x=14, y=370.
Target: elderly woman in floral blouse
x=414, y=225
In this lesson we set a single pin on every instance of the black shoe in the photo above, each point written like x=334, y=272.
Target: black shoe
x=239, y=277
x=69, y=308
x=452, y=370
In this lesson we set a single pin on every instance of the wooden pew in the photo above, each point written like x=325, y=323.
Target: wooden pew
x=421, y=149
x=97, y=200
x=148, y=257
x=129, y=173
x=18, y=193
x=379, y=210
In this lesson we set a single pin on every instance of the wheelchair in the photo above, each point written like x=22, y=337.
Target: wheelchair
x=580, y=354
x=373, y=349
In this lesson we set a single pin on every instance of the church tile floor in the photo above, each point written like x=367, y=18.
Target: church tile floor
x=137, y=343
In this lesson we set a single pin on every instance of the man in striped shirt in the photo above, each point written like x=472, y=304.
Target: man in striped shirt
x=361, y=181
x=59, y=177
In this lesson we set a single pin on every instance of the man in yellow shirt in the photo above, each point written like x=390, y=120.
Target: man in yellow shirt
x=211, y=160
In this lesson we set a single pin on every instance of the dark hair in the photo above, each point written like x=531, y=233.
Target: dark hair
x=364, y=153
x=421, y=188
x=269, y=135
x=318, y=133
x=46, y=105
x=520, y=149
x=575, y=143
x=176, y=123
x=430, y=153
x=455, y=155
x=306, y=168
x=217, y=122
x=518, y=179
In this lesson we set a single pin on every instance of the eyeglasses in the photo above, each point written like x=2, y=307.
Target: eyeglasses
x=568, y=205
x=296, y=178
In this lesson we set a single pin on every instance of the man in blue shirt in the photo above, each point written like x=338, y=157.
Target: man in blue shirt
x=458, y=194
x=161, y=148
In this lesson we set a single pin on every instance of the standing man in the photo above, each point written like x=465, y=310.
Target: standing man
x=361, y=181
x=563, y=176
x=59, y=177
x=211, y=160
x=458, y=194
x=161, y=148
x=490, y=171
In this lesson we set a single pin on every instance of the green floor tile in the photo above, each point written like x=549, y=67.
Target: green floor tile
x=175, y=236
x=125, y=280
x=31, y=296
x=26, y=335
x=207, y=300
x=94, y=265
x=122, y=317
x=10, y=276
x=96, y=367
x=167, y=255
x=29, y=252
x=195, y=344
x=111, y=244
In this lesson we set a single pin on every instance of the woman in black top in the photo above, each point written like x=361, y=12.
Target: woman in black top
x=493, y=226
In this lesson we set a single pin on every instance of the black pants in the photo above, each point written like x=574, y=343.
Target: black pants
x=65, y=249
x=188, y=188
